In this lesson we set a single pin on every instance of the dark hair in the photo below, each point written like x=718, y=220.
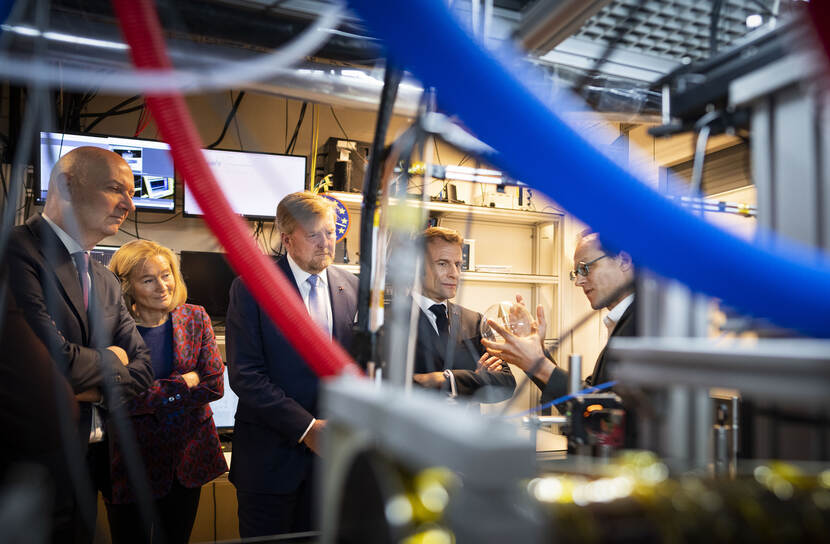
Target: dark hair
x=589, y=235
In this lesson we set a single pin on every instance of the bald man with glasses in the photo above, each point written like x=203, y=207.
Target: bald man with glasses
x=607, y=279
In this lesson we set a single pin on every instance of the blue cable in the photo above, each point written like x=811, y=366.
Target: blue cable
x=565, y=398
x=773, y=278
x=5, y=9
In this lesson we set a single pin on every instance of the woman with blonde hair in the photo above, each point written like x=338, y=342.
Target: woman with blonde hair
x=172, y=420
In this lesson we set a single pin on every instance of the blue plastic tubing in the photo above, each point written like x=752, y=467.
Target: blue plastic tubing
x=782, y=281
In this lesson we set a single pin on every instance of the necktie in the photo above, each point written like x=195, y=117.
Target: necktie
x=316, y=305
x=441, y=320
x=81, y=259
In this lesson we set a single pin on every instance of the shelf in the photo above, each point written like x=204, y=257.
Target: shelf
x=486, y=276
x=509, y=278
x=462, y=211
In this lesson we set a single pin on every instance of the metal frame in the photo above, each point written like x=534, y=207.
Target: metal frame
x=790, y=145
x=787, y=369
x=422, y=430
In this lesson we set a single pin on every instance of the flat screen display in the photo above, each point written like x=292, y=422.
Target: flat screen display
x=208, y=278
x=149, y=160
x=103, y=254
x=253, y=183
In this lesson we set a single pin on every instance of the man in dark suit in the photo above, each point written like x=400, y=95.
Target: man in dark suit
x=607, y=279
x=277, y=433
x=75, y=306
x=448, y=349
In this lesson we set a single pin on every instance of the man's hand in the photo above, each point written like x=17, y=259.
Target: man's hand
x=121, y=354
x=313, y=438
x=90, y=395
x=431, y=380
x=191, y=379
x=540, y=326
x=526, y=352
x=489, y=363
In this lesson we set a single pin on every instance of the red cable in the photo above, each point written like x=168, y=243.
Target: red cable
x=820, y=14
x=143, y=121
x=269, y=287
x=140, y=119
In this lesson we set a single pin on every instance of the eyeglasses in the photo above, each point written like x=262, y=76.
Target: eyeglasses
x=582, y=268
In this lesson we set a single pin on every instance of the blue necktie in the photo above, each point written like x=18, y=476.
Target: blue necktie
x=316, y=305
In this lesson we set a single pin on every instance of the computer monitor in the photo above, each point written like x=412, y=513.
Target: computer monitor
x=253, y=183
x=208, y=278
x=150, y=161
x=103, y=254
x=224, y=409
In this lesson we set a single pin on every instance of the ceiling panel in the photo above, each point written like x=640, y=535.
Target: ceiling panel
x=676, y=30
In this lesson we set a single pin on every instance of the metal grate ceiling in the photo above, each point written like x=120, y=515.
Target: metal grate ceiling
x=675, y=30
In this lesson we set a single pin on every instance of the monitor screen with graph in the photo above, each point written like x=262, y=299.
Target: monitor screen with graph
x=150, y=161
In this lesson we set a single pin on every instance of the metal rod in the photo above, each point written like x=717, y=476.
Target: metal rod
x=539, y=421
x=574, y=373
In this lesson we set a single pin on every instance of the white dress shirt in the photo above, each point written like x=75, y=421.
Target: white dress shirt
x=301, y=276
x=616, y=313
x=425, y=303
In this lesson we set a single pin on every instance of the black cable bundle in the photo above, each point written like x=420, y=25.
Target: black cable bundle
x=231, y=115
x=290, y=147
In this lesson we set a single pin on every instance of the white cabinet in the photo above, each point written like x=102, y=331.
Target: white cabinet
x=529, y=242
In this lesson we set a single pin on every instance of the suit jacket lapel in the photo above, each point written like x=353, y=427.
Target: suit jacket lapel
x=617, y=331
x=59, y=260
x=282, y=263
x=625, y=326
x=179, y=339
x=341, y=320
x=598, y=366
x=431, y=357
x=454, y=316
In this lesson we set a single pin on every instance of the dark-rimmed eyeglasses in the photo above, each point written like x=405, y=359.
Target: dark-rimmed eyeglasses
x=582, y=269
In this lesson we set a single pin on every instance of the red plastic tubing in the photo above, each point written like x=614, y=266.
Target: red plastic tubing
x=142, y=30
x=820, y=13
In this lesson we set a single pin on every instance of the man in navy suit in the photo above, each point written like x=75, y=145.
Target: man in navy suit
x=277, y=433
x=449, y=336
x=74, y=305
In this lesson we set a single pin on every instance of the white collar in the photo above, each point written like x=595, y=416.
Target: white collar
x=616, y=313
x=425, y=302
x=302, y=276
x=71, y=245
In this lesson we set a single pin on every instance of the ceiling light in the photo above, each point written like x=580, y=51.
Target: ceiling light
x=69, y=38
x=754, y=21
x=60, y=37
